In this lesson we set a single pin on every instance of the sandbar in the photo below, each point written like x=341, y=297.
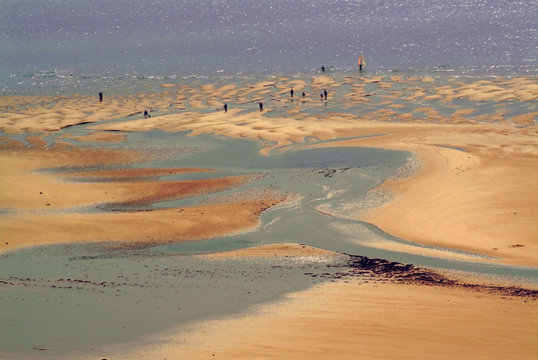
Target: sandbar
x=366, y=320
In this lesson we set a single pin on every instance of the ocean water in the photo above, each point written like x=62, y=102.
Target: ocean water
x=78, y=46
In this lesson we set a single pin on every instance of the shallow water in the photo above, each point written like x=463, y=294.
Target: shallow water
x=66, y=301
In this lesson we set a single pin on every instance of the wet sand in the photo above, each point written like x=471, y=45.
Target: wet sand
x=38, y=201
x=378, y=310
x=481, y=199
x=476, y=191
x=272, y=251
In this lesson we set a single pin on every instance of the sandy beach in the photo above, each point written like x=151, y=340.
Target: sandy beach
x=369, y=321
x=475, y=191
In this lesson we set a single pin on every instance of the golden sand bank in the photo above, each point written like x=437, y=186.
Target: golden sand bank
x=272, y=251
x=475, y=192
x=364, y=321
x=46, y=209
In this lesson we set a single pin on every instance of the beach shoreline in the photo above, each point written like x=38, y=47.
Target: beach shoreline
x=425, y=315
x=470, y=195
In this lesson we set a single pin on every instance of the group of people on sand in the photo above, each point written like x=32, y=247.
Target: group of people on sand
x=360, y=62
x=146, y=114
x=323, y=95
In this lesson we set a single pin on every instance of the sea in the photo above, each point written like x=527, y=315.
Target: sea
x=77, y=46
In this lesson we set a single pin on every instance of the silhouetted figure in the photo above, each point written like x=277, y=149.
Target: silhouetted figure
x=325, y=94
x=146, y=114
x=361, y=62
x=291, y=92
x=304, y=94
x=322, y=68
x=225, y=107
x=261, y=106
x=100, y=96
x=321, y=96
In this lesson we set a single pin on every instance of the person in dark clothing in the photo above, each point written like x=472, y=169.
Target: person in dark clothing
x=325, y=94
x=322, y=68
x=225, y=107
x=146, y=114
x=100, y=96
x=261, y=106
x=291, y=92
x=304, y=94
x=361, y=62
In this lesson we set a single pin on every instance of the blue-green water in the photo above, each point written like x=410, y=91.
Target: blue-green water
x=69, y=301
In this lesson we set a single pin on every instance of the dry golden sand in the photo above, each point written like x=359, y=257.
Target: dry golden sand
x=27, y=189
x=46, y=209
x=482, y=197
x=133, y=229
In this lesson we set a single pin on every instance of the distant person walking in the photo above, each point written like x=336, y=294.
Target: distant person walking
x=361, y=62
x=261, y=106
x=322, y=68
x=304, y=94
x=146, y=114
x=291, y=92
x=225, y=107
x=325, y=94
x=100, y=96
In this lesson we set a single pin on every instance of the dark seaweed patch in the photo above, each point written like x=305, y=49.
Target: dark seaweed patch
x=380, y=269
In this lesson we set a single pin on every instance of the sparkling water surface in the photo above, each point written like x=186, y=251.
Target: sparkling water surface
x=77, y=42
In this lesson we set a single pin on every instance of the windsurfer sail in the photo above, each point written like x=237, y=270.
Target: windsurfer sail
x=361, y=62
